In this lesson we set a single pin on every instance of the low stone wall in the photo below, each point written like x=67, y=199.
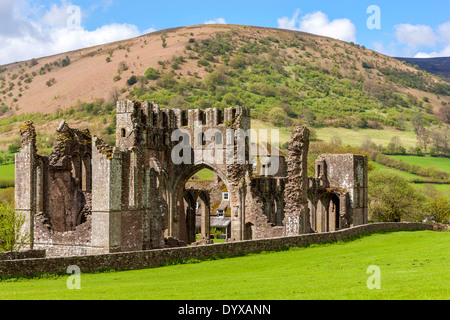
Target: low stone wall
x=31, y=254
x=155, y=258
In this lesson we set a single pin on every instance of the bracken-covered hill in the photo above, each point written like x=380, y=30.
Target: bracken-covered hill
x=286, y=77
x=439, y=66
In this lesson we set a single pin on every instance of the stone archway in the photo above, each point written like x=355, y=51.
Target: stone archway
x=328, y=213
x=334, y=213
x=177, y=210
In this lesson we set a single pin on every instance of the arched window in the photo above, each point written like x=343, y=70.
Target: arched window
x=76, y=169
x=201, y=139
x=86, y=173
x=165, y=120
x=219, y=117
x=218, y=138
x=184, y=119
x=155, y=119
x=123, y=133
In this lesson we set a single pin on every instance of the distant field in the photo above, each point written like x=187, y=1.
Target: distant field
x=7, y=175
x=205, y=174
x=412, y=266
x=444, y=188
x=284, y=135
x=404, y=174
x=426, y=162
x=355, y=138
x=348, y=136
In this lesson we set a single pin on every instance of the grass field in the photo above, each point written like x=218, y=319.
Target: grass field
x=413, y=265
x=205, y=174
x=348, y=136
x=356, y=137
x=443, y=188
x=404, y=174
x=426, y=162
x=6, y=175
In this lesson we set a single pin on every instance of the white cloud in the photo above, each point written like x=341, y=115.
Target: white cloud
x=443, y=53
x=444, y=32
x=423, y=37
x=289, y=23
x=216, y=21
x=415, y=35
x=319, y=23
x=50, y=33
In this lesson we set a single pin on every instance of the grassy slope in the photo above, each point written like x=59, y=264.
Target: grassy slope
x=7, y=171
x=412, y=265
x=443, y=188
x=426, y=162
x=319, y=53
x=355, y=137
x=404, y=174
x=6, y=175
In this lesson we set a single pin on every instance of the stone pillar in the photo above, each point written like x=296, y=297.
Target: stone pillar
x=25, y=179
x=297, y=219
x=206, y=221
x=106, y=198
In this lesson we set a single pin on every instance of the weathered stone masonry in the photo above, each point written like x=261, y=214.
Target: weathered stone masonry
x=91, y=198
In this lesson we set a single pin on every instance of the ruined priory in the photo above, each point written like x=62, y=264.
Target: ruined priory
x=88, y=197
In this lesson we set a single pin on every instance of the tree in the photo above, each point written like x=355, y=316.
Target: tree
x=278, y=116
x=444, y=114
x=423, y=138
x=13, y=148
x=393, y=199
x=151, y=74
x=395, y=146
x=133, y=80
x=164, y=41
x=440, y=141
x=12, y=235
x=114, y=95
x=65, y=62
x=439, y=209
x=368, y=145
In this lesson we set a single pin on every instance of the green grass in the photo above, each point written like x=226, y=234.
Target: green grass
x=7, y=175
x=426, y=162
x=350, y=137
x=205, y=174
x=355, y=138
x=284, y=134
x=442, y=188
x=414, y=265
x=407, y=175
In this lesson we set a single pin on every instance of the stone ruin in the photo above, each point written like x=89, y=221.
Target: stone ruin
x=88, y=197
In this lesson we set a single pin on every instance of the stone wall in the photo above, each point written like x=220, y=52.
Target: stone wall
x=154, y=258
x=30, y=254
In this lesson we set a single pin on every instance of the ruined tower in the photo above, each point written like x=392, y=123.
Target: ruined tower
x=297, y=219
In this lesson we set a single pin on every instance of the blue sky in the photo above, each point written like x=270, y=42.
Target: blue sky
x=36, y=28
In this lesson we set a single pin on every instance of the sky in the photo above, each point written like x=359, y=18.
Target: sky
x=37, y=28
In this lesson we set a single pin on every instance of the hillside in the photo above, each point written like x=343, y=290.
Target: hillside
x=286, y=77
x=438, y=66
